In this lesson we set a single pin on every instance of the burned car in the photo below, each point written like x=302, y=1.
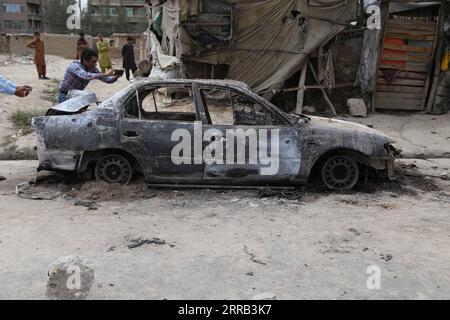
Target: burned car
x=205, y=132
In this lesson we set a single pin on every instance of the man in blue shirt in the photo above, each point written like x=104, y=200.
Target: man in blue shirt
x=79, y=73
x=9, y=87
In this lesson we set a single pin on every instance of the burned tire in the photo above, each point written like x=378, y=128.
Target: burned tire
x=340, y=173
x=114, y=169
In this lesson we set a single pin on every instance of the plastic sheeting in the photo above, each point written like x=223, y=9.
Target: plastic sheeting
x=164, y=66
x=271, y=38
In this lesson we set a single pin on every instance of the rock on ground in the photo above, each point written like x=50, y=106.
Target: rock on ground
x=357, y=107
x=70, y=278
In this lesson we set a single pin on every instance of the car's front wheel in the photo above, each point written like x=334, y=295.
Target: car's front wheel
x=114, y=169
x=340, y=173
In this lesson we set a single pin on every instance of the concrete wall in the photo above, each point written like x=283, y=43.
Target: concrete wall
x=57, y=44
x=65, y=45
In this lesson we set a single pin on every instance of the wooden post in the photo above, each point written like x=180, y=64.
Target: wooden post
x=384, y=15
x=437, y=56
x=325, y=95
x=301, y=90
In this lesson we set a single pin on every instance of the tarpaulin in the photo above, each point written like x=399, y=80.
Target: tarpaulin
x=270, y=38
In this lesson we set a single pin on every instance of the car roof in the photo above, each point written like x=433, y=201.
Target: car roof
x=206, y=82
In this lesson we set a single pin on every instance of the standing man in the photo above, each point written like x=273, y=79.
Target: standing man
x=128, y=58
x=79, y=73
x=9, y=87
x=39, y=55
x=81, y=45
x=104, y=60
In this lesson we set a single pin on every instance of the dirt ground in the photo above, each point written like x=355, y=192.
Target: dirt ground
x=230, y=244
x=150, y=243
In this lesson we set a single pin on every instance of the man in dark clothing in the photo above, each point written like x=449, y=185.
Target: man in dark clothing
x=128, y=58
x=81, y=45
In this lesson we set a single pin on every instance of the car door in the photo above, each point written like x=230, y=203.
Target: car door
x=152, y=129
x=252, y=145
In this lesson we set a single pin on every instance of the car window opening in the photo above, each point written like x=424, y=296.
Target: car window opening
x=164, y=103
x=227, y=107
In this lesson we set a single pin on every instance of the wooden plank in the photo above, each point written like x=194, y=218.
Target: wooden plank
x=414, y=25
x=396, y=106
x=325, y=95
x=392, y=88
x=430, y=86
x=406, y=67
x=405, y=57
x=384, y=15
x=408, y=37
x=406, y=48
x=301, y=91
x=414, y=102
x=402, y=82
x=407, y=74
x=410, y=32
x=398, y=95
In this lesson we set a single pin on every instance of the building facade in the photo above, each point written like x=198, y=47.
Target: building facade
x=133, y=12
x=22, y=16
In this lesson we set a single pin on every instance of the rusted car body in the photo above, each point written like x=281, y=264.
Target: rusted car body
x=118, y=138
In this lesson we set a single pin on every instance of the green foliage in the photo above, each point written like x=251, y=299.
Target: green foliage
x=22, y=119
x=52, y=91
x=57, y=16
x=107, y=25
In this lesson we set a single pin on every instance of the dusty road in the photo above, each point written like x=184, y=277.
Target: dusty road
x=215, y=244
x=228, y=244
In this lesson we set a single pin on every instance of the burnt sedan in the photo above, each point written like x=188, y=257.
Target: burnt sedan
x=204, y=132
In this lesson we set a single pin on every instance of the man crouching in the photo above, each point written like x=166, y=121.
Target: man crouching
x=79, y=73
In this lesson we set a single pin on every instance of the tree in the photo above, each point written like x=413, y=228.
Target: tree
x=56, y=16
x=109, y=24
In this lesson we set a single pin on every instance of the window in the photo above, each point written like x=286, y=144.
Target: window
x=33, y=9
x=167, y=103
x=14, y=24
x=226, y=107
x=134, y=11
x=219, y=105
x=12, y=8
x=105, y=10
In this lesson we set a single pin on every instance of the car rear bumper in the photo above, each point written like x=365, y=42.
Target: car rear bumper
x=54, y=160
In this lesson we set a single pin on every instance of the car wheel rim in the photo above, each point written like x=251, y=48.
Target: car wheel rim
x=340, y=173
x=114, y=169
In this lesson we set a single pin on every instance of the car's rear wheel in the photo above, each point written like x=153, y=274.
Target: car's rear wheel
x=340, y=173
x=114, y=169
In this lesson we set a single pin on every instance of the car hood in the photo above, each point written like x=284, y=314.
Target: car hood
x=78, y=101
x=336, y=124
